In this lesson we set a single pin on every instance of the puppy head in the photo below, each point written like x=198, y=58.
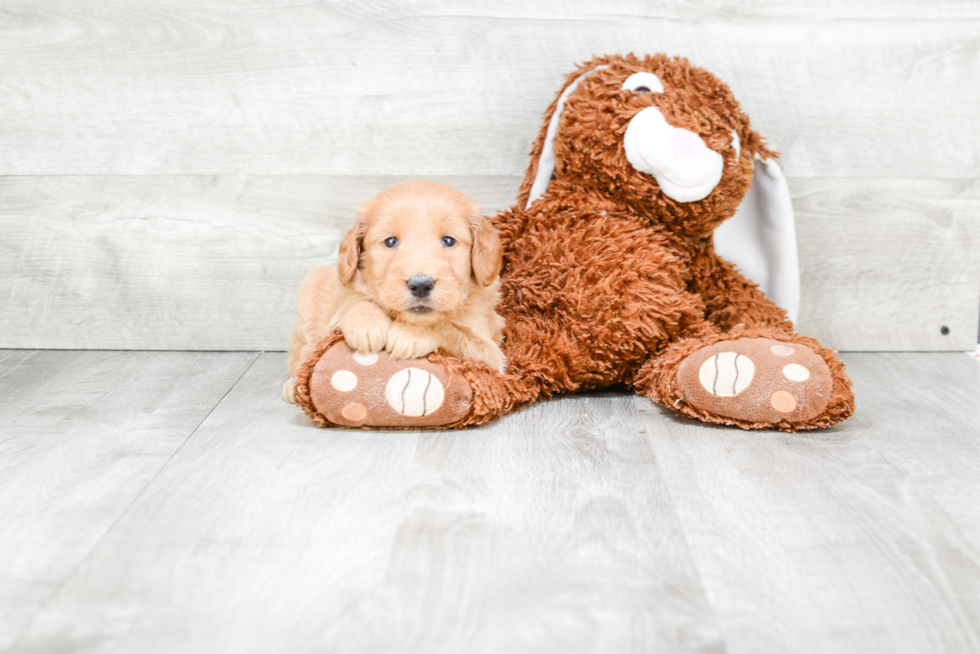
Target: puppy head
x=420, y=247
x=656, y=132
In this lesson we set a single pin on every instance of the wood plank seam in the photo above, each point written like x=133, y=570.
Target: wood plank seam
x=641, y=405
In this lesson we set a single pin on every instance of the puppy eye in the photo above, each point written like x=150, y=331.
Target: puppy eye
x=391, y=241
x=448, y=241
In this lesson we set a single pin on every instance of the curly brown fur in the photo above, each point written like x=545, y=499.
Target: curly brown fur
x=590, y=154
x=605, y=278
x=491, y=396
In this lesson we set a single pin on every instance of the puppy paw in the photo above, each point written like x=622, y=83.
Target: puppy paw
x=407, y=343
x=488, y=352
x=365, y=328
x=497, y=361
x=289, y=390
x=367, y=338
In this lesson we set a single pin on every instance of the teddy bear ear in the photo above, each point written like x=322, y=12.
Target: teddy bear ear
x=760, y=239
x=542, y=165
x=751, y=143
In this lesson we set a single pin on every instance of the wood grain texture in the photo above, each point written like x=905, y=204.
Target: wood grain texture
x=82, y=434
x=549, y=531
x=859, y=538
x=886, y=264
x=213, y=263
x=862, y=89
x=590, y=523
x=935, y=402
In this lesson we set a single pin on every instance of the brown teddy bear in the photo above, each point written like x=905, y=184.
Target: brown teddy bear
x=610, y=276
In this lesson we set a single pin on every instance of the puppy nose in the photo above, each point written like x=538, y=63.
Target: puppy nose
x=420, y=286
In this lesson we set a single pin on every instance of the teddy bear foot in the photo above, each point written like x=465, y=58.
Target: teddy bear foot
x=355, y=389
x=757, y=380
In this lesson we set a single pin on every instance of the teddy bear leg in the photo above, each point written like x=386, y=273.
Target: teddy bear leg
x=337, y=386
x=756, y=378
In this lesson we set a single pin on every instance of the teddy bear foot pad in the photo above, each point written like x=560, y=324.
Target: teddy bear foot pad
x=758, y=380
x=357, y=389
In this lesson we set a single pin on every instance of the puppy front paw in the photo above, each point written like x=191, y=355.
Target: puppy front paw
x=486, y=351
x=289, y=390
x=365, y=328
x=497, y=361
x=367, y=338
x=407, y=343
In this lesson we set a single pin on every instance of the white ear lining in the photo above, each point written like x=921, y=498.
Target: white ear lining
x=546, y=162
x=760, y=239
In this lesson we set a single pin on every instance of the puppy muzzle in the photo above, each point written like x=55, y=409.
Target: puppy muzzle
x=420, y=286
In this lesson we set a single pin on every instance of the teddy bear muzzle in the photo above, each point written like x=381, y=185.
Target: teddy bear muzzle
x=686, y=169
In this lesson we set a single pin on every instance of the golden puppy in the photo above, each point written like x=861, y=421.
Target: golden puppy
x=417, y=271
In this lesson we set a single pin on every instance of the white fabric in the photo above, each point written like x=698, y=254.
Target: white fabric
x=726, y=374
x=686, y=169
x=414, y=392
x=760, y=239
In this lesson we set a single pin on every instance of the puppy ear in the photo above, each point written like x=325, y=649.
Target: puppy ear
x=487, y=254
x=349, y=253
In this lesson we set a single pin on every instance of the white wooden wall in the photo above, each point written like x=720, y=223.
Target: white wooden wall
x=170, y=169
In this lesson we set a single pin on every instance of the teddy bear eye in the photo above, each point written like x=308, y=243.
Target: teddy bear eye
x=643, y=83
x=448, y=241
x=391, y=241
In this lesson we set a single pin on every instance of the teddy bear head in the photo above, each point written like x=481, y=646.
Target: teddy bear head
x=657, y=134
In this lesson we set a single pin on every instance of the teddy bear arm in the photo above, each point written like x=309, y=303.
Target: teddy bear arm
x=730, y=299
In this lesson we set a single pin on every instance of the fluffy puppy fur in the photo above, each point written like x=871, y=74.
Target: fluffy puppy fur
x=418, y=230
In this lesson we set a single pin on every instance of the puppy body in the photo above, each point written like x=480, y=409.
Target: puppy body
x=418, y=271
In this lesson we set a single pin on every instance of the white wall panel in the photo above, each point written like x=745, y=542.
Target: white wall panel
x=862, y=89
x=213, y=263
x=886, y=264
x=169, y=169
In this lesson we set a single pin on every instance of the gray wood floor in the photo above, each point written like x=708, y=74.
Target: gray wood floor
x=171, y=502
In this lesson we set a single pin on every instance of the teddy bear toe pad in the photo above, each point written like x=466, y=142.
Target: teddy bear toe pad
x=757, y=380
x=355, y=389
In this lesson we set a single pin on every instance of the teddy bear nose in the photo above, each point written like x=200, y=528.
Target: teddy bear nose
x=685, y=144
x=420, y=286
